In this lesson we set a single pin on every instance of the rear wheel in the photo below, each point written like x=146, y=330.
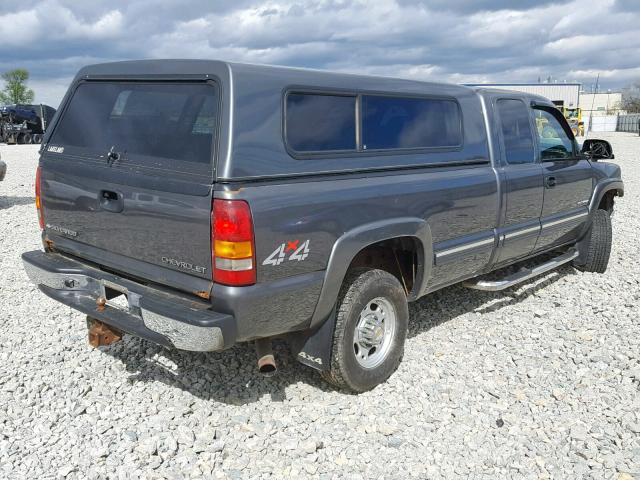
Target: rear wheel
x=596, y=246
x=371, y=326
x=27, y=139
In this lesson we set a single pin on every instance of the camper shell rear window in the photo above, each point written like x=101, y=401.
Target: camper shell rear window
x=157, y=125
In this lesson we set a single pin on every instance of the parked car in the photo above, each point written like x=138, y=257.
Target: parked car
x=198, y=204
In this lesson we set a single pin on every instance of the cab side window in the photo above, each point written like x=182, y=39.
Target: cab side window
x=554, y=140
x=516, y=131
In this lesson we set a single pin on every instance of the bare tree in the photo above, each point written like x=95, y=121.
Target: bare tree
x=15, y=89
x=631, y=98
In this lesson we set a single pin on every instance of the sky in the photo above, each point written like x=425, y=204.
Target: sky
x=476, y=41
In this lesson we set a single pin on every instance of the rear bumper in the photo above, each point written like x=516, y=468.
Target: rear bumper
x=154, y=314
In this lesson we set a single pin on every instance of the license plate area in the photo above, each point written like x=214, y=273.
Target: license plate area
x=115, y=295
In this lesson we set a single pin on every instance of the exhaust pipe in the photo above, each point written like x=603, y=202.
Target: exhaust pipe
x=266, y=361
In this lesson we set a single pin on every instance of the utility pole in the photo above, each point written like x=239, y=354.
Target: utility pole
x=593, y=99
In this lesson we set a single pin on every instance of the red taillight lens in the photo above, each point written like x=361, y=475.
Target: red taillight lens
x=39, y=200
x=232, y=243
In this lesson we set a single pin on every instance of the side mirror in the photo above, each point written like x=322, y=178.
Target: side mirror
x=597, y=149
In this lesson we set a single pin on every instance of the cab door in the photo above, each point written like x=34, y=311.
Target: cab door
x=521, y=177
x=568, y=179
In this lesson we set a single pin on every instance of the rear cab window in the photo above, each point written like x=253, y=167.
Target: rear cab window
x=516, y=131
x=155, y=126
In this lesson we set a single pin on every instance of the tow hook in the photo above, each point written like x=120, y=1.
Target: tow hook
x=102, y=334
x=266, y=361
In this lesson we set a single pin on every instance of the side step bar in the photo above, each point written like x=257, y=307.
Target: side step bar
x=521, y=275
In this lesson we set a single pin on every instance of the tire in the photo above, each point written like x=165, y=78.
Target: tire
x=27, y=139
x=365, y=297
x=20, y=139
x=596, y=246
x=37, y=138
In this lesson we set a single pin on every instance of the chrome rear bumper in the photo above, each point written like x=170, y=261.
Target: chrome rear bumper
x=157, y=315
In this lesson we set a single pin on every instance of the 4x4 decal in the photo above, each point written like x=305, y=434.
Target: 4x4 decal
x=282, y=253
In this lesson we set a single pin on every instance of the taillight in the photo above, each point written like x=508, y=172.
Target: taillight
x=38, y=199
x=233, y=249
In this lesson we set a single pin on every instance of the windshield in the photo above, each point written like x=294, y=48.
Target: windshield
x=160, y=125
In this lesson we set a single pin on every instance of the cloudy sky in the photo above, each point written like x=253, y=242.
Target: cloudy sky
x=445, y=40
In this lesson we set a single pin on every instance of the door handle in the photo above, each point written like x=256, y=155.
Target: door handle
x=550, y=182
x=111, y=201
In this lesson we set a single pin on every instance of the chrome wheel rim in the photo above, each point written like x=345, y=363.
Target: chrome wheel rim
x=374, y=333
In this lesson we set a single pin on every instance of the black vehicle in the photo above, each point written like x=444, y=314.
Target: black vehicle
x=24, y=123
x=201, y=203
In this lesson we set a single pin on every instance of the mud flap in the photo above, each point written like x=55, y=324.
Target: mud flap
x=313, y=347
x=583, y=245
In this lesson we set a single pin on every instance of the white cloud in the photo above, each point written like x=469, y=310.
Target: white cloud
x=107, y=26
x=52, y=21
x=51, y=90
x=16, y=29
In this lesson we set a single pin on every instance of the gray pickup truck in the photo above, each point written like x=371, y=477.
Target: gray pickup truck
x=198, y=204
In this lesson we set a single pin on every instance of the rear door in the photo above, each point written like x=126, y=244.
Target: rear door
x=127, y=177
x=568, y=179
x=521, y=174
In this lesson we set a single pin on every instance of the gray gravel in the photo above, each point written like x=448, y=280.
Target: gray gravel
x=541, y=381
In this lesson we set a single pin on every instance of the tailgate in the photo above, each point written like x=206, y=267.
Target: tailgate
x=127, y=174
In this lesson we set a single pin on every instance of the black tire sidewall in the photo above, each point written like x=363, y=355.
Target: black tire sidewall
x=596, y=249
x=377, y=284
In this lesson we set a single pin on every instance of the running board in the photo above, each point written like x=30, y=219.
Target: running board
x=521, y=275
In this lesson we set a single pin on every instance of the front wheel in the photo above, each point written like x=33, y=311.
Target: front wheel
x=372, y=316
x=595, y=248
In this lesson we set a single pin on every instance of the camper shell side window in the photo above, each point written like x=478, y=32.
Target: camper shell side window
x=322, y=124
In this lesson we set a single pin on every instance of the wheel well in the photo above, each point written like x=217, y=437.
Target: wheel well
x=398, y=256
x=607, y=201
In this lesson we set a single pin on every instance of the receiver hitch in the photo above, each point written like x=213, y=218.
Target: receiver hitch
x=102, y=334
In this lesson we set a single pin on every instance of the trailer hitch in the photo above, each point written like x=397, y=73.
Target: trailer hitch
x=102, y=334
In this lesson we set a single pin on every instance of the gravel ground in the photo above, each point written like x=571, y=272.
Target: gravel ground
x=540, y=381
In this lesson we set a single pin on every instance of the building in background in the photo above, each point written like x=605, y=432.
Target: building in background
x=603, y=103
x=565, y=95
